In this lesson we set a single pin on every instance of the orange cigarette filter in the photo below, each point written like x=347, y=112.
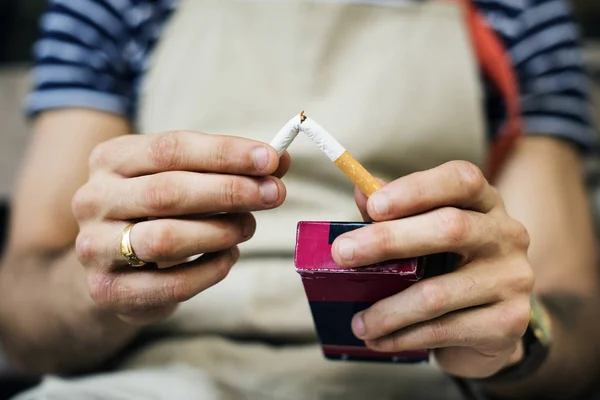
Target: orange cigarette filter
x=354, y=170
x=340, y=156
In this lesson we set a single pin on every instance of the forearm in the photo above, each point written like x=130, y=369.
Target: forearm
x=542, y=186
x=572, y=365
x=47, y=320
x=48, y=323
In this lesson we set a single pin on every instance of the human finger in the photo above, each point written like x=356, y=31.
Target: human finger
x=472, y=286
x=140, y=291
x=491, y=327
x=168, y=240
x=136, y=155
x=455, y=184
x=444, y=230
x=176, y=193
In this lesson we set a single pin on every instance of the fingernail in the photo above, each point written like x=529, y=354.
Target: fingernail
x=380, y=204
x=345, y=249
x=358, y=326
x=269, y=191
x=261, y=158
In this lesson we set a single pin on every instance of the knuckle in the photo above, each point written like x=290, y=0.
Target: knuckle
x=105, y=290
x=523, y=279
x=84, y=248
x=383, y=240
x=436, y=334
x=469, y=176
x=177, y=289
x=394, y=343
x=518, y=234
x=232, y=194
x=496, y=194
x=101, y=155
x=164, y=151
x=161, y=194
x=381, y=322
x=222, y=154
x=432, y=298
x=454, y=225
x=516, y=318
x=162, y=241
x=85, y=203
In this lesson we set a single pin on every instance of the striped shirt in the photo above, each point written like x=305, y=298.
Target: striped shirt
x=94, y=53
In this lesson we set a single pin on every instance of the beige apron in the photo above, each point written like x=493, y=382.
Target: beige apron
x=395, y=82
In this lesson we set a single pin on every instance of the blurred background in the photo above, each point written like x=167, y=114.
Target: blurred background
x=18, y=30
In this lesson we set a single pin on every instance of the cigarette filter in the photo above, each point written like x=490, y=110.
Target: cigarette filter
x=335, y=294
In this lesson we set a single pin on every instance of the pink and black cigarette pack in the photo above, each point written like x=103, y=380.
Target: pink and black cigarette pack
x=335, y=294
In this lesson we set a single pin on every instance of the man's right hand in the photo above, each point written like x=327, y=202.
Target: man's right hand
x=190, y=193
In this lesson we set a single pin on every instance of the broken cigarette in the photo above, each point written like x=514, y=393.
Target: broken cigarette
x=365, y=182
x=287, y=134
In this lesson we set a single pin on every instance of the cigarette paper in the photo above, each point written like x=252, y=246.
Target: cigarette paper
x=287, y=134
x=323, y=139
x=328, y=145
x=365, y=182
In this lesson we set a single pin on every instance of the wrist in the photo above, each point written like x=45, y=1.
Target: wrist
x=78, y=316
x=529, y=356
x=517, y=369
x=531, y=351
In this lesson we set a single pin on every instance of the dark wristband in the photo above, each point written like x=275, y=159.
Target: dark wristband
x=535, y=353
x=534, y=356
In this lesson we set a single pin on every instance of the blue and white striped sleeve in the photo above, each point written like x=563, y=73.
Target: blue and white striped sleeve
x=555, y=88
x=78, y=60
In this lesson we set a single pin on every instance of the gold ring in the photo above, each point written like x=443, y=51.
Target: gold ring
x=127, y=250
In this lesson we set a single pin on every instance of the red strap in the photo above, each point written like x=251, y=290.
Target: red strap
x=497, y=66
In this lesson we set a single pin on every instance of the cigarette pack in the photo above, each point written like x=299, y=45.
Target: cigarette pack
x=335, y=294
